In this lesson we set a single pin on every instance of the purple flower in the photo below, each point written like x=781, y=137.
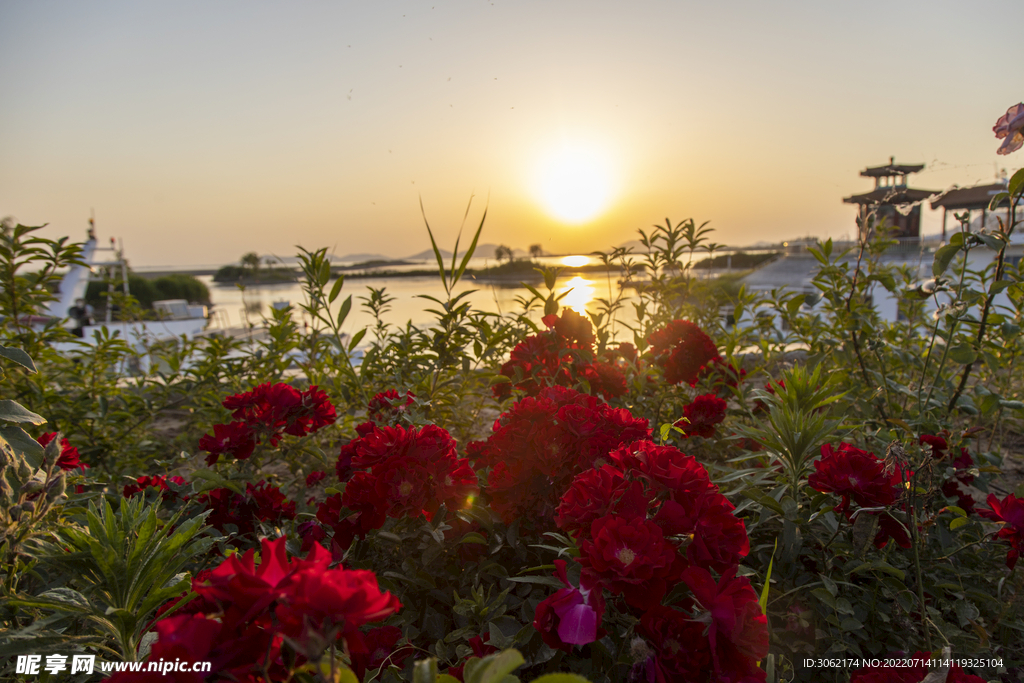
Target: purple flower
x=1010, y=129
x=578, y=611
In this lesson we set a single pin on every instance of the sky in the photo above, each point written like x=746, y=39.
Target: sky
x=198, y=131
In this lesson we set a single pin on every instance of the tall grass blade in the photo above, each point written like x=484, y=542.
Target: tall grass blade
x=433, y=245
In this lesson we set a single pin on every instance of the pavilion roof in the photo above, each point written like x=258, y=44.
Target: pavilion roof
x=890, y=169
x=977, y=197
x=891, y=195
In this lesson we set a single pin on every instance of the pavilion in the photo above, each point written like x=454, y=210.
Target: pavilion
x=891, y=197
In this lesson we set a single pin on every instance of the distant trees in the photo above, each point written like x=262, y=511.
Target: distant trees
x=251, y=261
x=536, y=250
x=146, y=291
x=503, y=251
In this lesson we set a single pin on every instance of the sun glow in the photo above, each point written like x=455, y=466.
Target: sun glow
x=575, y=182
x=581, y=293
x=575, y=261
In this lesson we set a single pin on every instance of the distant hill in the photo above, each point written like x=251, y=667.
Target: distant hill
x=361, y=258
x=428, y=255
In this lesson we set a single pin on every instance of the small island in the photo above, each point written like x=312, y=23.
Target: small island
x=252, y=270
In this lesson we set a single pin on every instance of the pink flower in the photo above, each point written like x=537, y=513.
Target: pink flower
x=578, y=611
x=1010, y=129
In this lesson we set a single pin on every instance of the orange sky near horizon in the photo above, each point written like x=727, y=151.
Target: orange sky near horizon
x=200, y=131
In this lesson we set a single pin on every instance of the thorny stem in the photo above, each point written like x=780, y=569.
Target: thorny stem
x=956, y=320
x=849, y=304
x=915, y=539
x=988, y=302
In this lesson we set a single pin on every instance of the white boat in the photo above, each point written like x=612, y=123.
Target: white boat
x=176, y=318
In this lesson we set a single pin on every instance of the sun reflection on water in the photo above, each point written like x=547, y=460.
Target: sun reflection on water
x=581, y=294
x=575, y=261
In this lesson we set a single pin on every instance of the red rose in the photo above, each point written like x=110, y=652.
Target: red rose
x=381, y=651
x=1010, y=512
x=631, y=557
x=260, y=503
x=322, y=600
x=388, y=406
x=599, y=492
x=158, y=481
x=571, y=327
x=683, y=350
x=68, y=458
x=666, y=467
x=852, y=474
x=701, y=416
x=681, y=651
x=542, y=442
x=939, y=445
x=737, y=631
x=235, y=440
x=909, y=674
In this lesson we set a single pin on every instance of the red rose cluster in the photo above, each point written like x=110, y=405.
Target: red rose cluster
x=157, y=481
x=244, y=615
x=562, y=355
x=388, y=407
x=542, y=442
x=860, y=476
x=684, y=351
x=645, y=522
x=396, y=472
x=260, y=503
x=910, y=674
x=263, y=415
x=1010, y=512
x=68, y=458
x=702, y=414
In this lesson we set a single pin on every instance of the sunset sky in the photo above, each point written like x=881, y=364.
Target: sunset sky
x=198, y=131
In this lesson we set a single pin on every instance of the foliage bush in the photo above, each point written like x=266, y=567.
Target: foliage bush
x=704, y=501
x=147, y=290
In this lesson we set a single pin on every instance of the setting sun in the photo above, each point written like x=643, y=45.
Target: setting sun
x=575, y=182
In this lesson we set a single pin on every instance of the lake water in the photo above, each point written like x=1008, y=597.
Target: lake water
x=232, y=305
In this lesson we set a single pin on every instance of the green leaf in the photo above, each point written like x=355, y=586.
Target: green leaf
x=1000, y=285
x=469, y=252
x=1016, y=184
x=473, y=537
x=325, y=273
x=561, y=678
x=356, y=338
x=433, y=245
x=879, y=565
x=425, y=671
x=966, y=611
x=493, y=668
x=963, y=354
x=346, y=306
x=542, y=580
x=24, y=444
x=943, y=257
x=957, y=523
x=759, y=496
x=850, y=624
x=18, y=356
x=13, y=411
x=336, y=289
x=763, y=601
x=68, y=597
x=997, y=199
